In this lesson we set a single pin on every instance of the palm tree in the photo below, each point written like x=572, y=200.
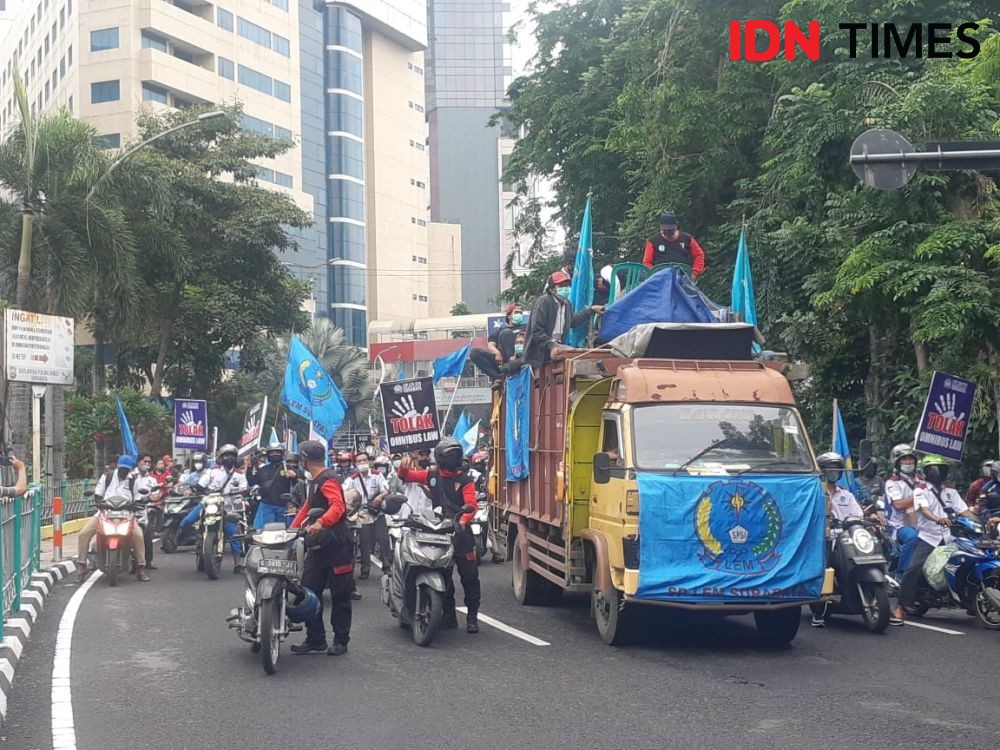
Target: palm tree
x=347, y=365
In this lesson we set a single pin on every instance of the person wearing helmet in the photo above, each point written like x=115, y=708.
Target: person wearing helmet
x=551, y=319
x=274, y=479
x=116, y=483
x=344, y=465
x=224, y=479
x=988, y=478
x=195, y=470
x=932, y=499
x=452, y=489
x=671, y=245
x=899, y=503
x=329, y=560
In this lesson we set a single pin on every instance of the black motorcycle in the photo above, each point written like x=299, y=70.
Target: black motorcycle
x=177, y=504
x=860, y=569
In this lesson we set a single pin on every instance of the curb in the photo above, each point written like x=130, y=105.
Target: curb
x=17, y=627
x=69, y=527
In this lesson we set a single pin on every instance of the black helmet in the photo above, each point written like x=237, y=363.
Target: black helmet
x=448, y=454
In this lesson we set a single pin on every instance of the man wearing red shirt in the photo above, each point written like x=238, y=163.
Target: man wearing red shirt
x=330, y=557
x=451, y=489
x=672, y=245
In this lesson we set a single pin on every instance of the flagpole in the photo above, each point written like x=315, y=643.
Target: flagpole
x=451, y=403
x=833, y=441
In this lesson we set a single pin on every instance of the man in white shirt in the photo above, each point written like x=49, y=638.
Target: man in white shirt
x=372, y=488
x=899, y=503
x=142, y=479
x=932, y=500
x=115, y=483
x=228, y=481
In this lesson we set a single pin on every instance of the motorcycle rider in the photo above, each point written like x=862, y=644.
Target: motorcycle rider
x=899, y=509
x=330, y=560
x=930, y=499
x=871, y=481
x=193, y=474
x=223, y=479
x=451, y=489
x=274, y=480
x=114, y=483
x=987, y=475
x=144, y=479
x=372, y=489
x=344, y=466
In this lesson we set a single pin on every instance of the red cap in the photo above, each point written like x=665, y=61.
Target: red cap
x=510, y=308
x=559, y=277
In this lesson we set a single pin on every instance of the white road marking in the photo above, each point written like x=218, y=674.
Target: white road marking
x=487, y=620
x=933, y=627
x=63, y=731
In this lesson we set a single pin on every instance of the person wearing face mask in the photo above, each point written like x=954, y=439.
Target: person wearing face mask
x=115, y=483
x=274, y=479
x=197, y=468
x=371, y=488
x=162, y=474
x=499, y=352
x=932, y=499
x=143, y=478
x=344, y=465
x=899, y=503
x=226, y=480
x=985, y=478
x=551, y=319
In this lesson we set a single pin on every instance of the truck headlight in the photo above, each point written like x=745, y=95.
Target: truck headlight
x=632, y=502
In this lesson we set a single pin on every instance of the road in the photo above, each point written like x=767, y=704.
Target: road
x=153, y=666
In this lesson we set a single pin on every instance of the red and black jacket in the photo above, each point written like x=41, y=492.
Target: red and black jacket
x=328, y=495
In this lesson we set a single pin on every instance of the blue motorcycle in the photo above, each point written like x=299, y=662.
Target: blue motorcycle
x=972, y=574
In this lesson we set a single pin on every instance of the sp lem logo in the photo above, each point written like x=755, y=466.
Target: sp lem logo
x=739, y=526
x=762, y=41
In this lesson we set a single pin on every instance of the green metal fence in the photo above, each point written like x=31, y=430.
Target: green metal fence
x=20, y=545
x=76, y=495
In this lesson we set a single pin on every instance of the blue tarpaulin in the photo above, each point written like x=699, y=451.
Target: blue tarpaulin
x=518, y=421
x=665, y=297
x=716, y=539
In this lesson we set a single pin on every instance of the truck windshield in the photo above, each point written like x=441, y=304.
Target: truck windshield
x=719, y=438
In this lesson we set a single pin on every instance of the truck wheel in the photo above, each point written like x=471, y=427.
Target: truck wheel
x=528, y=585
x=611, y=616
x=778, y=627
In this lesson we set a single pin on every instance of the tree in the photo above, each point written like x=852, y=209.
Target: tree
x=460, y=308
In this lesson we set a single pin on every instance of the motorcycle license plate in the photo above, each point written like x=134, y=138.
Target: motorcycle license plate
x=118, y=514
x=422, y=536
x=278, y=567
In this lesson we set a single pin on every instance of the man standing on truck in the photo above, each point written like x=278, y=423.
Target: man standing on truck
x=672, y=245
x=551, y=319
x=451, y=489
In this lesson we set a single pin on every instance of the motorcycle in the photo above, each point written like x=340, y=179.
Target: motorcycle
x=480, y=526
x=176, y=505
x=860, y=570
x=883, y=534
x=414, y=586
x=112, y=547
x=217, y=508
x=972, y=576
x=275, y=602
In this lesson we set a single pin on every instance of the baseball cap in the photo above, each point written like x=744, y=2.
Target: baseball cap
x=668, y=220
x=559, y=278
x=126, y=462
x=312, y=450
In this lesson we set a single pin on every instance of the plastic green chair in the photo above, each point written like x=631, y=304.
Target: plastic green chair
x=624, y=278
x=676, y=266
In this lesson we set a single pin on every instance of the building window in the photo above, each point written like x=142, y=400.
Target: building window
x=62, y=17
x=47, y=89
x=69, y=55
x=344, y=114
x=346, y=241
x=55, y=80
x=224, y=18
x=104, y=91
x=346, y=199
x=109, y=140
x=422, y=297
x=282, y=91
x=421, y=223
x=281, y=45
x=253, y=32
x=69, y=104
x=152, y=41
x=281, y=133
x=62, y=66
x=255, y=80
x=415, y=68
x=226, y=68
x=282, y=4
x=46, y=44
x=151, y=93
x=421, y=184
x=271, y=175
x=344, y=71
x=343, y=28
x=103, y=39
x=348, y=285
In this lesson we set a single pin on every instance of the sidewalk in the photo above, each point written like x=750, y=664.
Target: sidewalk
x=69, y=549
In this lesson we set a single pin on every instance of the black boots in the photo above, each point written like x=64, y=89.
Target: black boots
x=472, y=621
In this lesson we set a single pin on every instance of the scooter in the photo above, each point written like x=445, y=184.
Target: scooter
x=176, y=505
x=480, y=527
x=414, y=587
x=275, y=602
x=972, y=576
x=210, y=548
x=112, y=548
x=860, y=569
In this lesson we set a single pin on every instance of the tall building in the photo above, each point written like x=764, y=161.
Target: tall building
x=344, y=80
x=468, y=70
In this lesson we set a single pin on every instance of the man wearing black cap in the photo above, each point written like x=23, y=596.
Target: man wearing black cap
x=330, y=557
x=672, y=245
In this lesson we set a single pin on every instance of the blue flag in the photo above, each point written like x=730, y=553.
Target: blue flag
x=128, y=442
x=451, y=365
x=470, y=439
x=310, y=392
x=753, y=538
x=461, y=426
x=581, y=294
x=518, y=423
x=847, y=480
x=743, y=297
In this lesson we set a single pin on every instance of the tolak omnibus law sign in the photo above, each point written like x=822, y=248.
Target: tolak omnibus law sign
x=411, y=416
x=944, y=423
x=191, y=425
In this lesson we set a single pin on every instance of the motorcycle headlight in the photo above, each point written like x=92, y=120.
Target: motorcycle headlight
x=212, y=508
x=864, y=542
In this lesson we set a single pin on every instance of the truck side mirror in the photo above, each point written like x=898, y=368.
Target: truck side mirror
x=602, y=466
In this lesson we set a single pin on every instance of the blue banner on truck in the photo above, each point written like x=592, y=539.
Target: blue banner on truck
x=728, y=540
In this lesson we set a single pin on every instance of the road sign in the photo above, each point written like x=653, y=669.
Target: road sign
x=882, y=175
x=39, y=348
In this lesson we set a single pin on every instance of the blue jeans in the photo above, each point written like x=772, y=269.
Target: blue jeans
x=907, y=538
x=270, y=514
x=228, y=530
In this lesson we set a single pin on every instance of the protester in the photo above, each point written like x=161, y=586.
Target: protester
x=671, y=245
x=551, y=319
x=371, y=488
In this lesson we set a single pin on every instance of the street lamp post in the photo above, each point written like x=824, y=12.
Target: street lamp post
x=114, y=165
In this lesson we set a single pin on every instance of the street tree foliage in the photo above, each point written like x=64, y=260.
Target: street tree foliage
x=638, y=101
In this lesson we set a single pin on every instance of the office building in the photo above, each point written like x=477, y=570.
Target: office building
x=468, y=69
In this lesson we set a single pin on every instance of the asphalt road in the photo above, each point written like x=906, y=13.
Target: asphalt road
x=154, y=666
